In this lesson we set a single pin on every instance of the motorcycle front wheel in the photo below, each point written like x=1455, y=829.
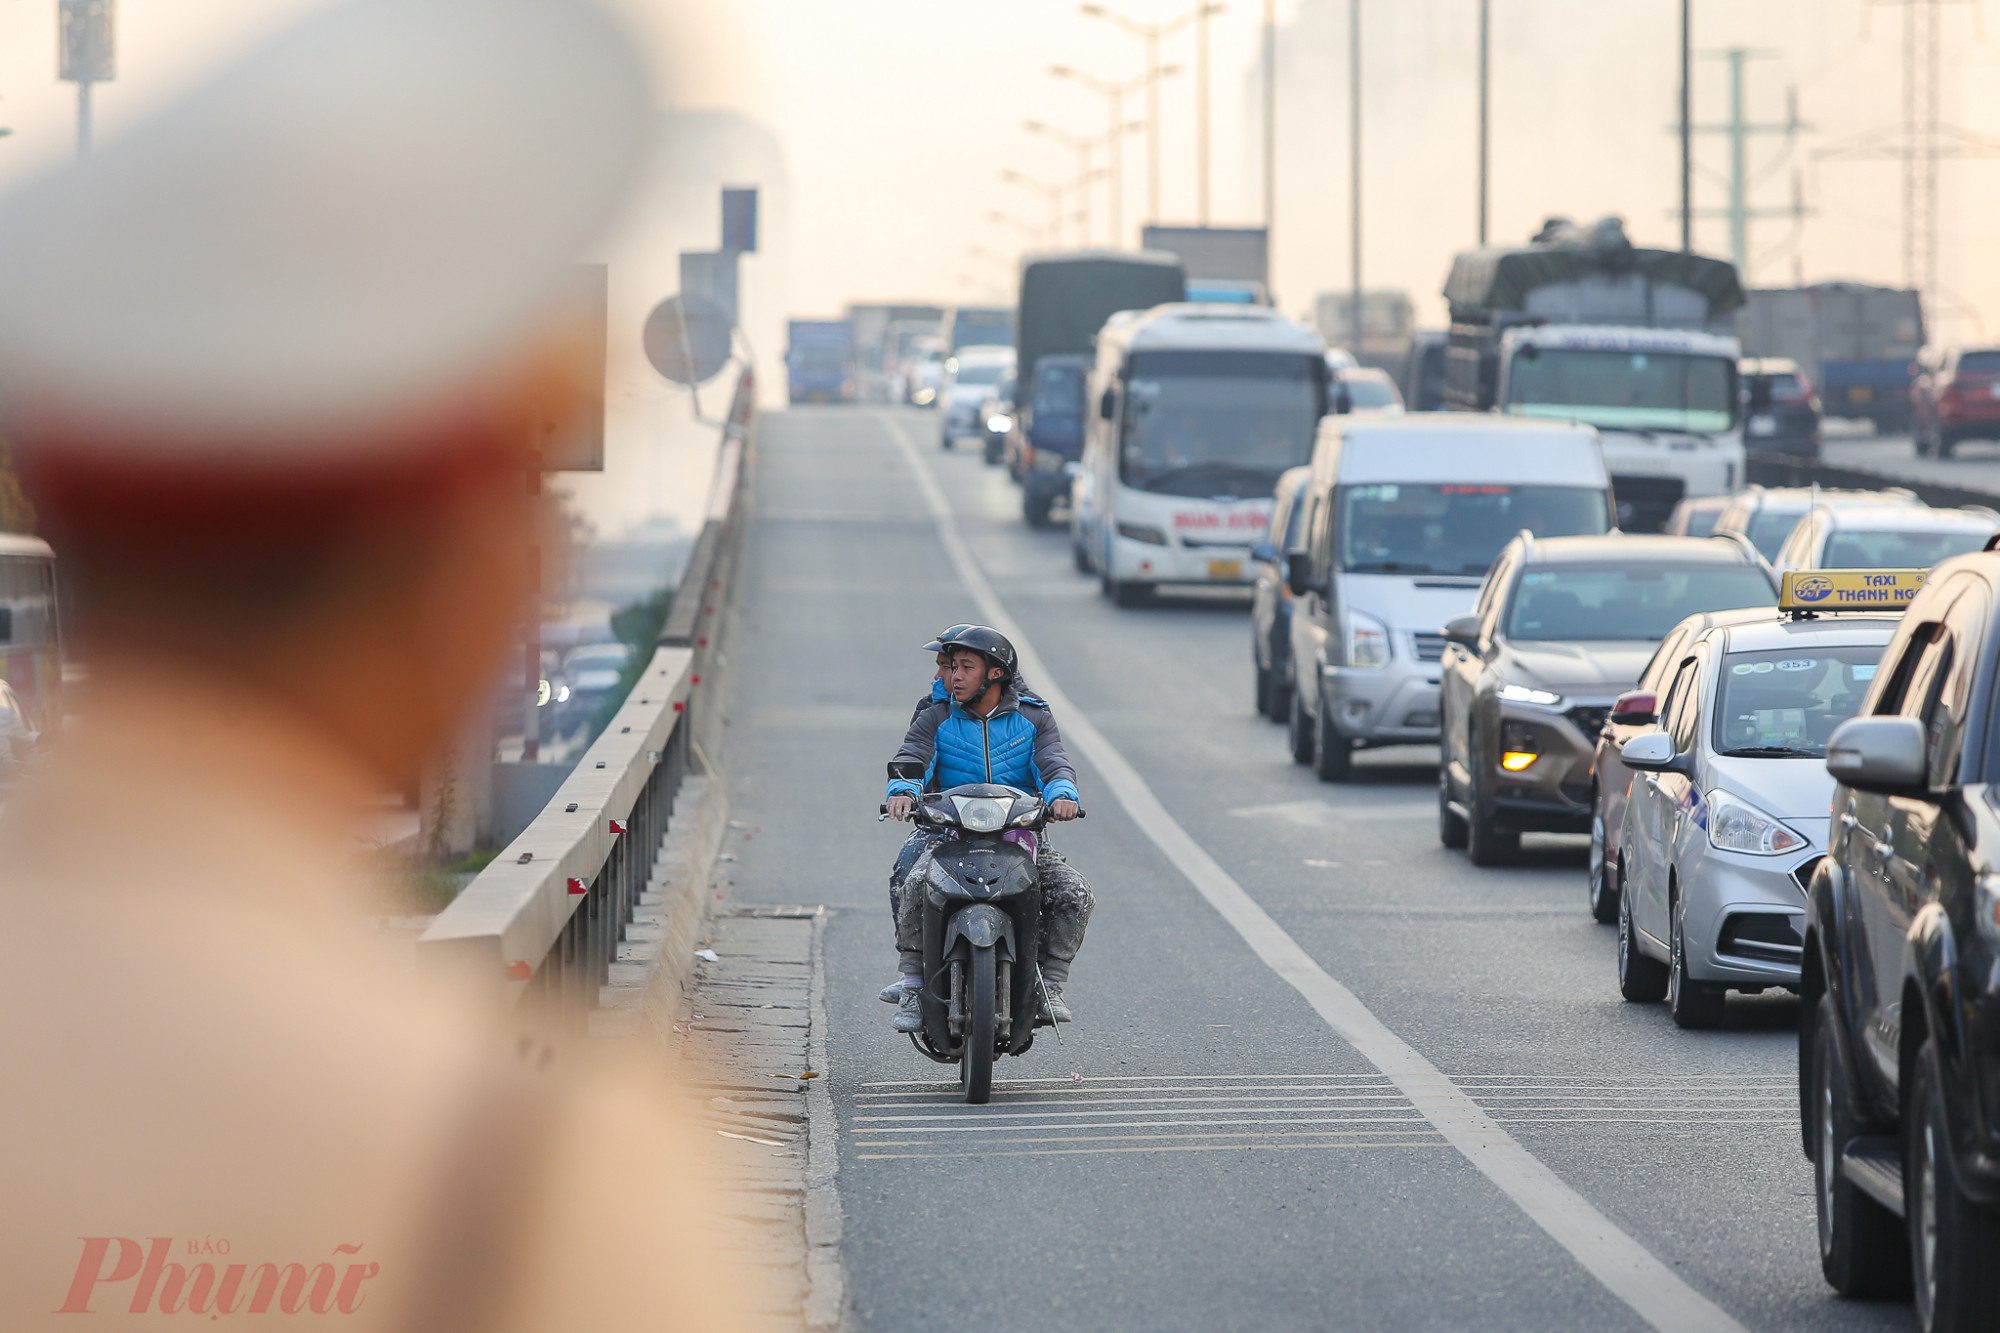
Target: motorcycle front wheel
x=975, y=1065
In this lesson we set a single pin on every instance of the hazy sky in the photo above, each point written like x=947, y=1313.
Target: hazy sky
x=879, y=129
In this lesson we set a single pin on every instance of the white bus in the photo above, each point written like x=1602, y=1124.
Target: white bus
x=30, y=640
x=1195, y=411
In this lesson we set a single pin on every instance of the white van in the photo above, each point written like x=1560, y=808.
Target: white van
x=1196, y=411
x=1404, y=515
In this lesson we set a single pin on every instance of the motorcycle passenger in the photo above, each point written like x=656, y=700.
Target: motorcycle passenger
x=913, y=846
x=989, y=733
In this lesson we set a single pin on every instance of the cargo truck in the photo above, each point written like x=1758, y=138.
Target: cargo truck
x=819, y=361
x=1857, y=344
x=1065, y=301
x=1582, y=325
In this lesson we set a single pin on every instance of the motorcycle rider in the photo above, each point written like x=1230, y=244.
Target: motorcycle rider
x=914, y=845
x=988, y=732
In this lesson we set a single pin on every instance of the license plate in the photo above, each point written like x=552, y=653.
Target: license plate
x=1225, y=569
x=1763, y=424
x=1860, y=393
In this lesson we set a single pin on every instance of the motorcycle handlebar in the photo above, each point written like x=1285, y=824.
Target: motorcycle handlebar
x=916, y=813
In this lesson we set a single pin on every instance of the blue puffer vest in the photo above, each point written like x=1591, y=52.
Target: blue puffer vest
x=998, y=749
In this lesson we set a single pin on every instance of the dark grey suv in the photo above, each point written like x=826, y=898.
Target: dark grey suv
x=1563, y=627
x=1899, y=1045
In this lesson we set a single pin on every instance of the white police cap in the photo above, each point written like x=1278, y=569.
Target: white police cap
x=375, y=208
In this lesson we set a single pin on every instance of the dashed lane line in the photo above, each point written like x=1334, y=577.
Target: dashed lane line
x=1625, y=1267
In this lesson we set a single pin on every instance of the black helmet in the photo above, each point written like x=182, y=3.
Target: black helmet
x=989, y=643
x=946, y=639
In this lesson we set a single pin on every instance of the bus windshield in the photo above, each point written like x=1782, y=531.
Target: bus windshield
x=1218, y=423
x=1454, y=528
x=1623, y=390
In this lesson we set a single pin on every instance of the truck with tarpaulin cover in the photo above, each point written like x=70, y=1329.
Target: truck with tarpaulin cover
x=819, y=361
x=1579, y=324
x=1857, y=344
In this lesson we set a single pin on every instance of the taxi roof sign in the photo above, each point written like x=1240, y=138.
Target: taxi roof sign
x=1810, y=591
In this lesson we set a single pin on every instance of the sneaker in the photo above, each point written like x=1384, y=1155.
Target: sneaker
x=909, y=1015
x=1058, y=1007
x=893, y=992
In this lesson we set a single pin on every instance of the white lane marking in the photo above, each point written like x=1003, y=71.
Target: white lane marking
x=1625, y=1267
x=1314, y=814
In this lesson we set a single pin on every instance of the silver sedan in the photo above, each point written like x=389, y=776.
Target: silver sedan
x=1728, y=807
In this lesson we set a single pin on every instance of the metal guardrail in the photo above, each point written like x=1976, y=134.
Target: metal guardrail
x=1777, y=470
x=543, y=921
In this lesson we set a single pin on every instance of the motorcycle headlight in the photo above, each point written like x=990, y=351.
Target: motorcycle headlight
x=1734, y=825
x=1367, y=641
x=999, y=423
x=980, y=814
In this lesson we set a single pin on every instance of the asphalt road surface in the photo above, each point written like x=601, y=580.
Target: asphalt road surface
x=1497, y=1141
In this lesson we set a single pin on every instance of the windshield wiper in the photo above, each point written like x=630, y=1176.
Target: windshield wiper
x=1774, y=752
x=1389, y=567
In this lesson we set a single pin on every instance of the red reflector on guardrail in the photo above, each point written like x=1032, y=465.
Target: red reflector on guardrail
x=620, y=825
x=577, y=886
x=518, y=971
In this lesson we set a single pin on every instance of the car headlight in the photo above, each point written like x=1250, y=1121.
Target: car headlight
x=1523, y=694
x=1140, y=532
x=1367, y=641
x=1734, y=825
x=981, y=814
x=999, y=423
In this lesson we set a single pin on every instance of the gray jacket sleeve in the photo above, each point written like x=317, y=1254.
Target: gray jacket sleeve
x=1051, y=760
x=913, y=757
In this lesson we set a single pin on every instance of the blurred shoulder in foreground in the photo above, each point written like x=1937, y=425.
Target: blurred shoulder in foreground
x=271, y=363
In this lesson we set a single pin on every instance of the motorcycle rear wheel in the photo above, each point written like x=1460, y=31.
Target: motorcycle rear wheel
x=975, y=1064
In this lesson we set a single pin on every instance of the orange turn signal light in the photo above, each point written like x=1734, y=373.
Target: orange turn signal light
x=1516, y=760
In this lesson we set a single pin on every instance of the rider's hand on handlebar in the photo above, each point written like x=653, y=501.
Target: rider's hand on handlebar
x=1062, y=809
x=899, y=807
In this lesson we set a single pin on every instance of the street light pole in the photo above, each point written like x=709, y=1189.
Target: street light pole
x=1687, y=126
x=1485, y=111
x=1151, y=33
x=1084, y=146
x=1270, y=113
x=1354, y=153
x=1118, y=129
x=1201, y=115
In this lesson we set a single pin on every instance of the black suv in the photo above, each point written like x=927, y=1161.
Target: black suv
x=1899, y=1047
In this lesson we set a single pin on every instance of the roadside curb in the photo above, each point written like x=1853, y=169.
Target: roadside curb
x=826, y=1275
x=649, y=977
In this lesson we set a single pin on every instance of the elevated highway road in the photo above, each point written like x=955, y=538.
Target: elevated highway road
x=1325, y=1074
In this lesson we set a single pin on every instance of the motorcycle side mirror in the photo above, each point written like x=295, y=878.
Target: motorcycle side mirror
x=1107, y=403
x=1462, y=630
x=1298, y=572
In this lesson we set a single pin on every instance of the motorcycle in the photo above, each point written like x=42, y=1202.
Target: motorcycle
x=982, y=994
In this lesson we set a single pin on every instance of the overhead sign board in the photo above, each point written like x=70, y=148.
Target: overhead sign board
x=1808, y=590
